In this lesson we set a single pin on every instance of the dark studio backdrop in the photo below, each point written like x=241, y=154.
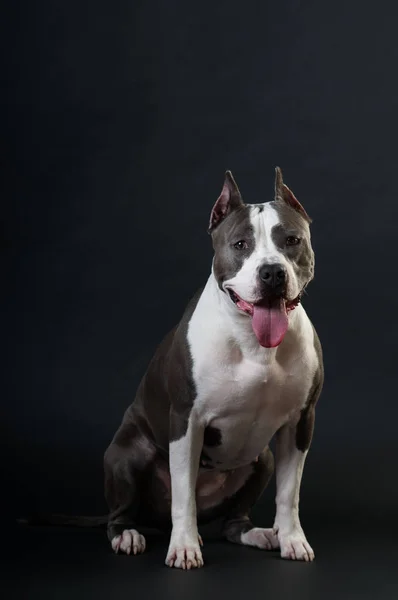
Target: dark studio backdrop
x=121, y=119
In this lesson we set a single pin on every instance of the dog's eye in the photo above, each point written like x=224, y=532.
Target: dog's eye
x=292, y=240
x=241, y=245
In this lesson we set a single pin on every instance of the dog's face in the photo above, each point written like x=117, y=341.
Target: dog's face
x=263, y=256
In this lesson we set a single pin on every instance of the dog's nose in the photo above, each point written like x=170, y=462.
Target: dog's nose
x=274, y=276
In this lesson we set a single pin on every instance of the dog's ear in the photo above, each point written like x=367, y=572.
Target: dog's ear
x=228, y=200
x=284, y=194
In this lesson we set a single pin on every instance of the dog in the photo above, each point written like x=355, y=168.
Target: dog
x=244, y=365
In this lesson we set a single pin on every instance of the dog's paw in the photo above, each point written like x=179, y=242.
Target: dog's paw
x=130, y=541
x=265, y=539
x=187, y=557
x=184, y=553
x=294, y=546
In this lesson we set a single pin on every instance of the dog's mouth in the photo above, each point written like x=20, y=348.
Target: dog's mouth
x=269, y=316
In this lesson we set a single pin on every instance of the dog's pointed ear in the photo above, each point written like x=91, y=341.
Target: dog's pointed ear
x=284, y=194
x=228, y=200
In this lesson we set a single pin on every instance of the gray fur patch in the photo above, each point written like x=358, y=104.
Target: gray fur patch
x=228, y=260
x=305, y=426
x=301, y=256
x=167, y=391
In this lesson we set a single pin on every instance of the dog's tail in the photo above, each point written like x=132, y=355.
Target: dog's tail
x=65, y=520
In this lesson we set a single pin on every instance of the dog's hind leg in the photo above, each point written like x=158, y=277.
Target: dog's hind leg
x=238, y=527
x=126, y=461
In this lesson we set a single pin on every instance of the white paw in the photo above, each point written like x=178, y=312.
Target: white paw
x=130, y=541
x=184, y=552
x=260, y=538
x=294, y=546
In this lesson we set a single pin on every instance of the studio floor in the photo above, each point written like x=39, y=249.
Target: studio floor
x=63, y=563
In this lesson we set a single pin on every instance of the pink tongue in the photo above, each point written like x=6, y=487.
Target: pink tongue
x=270, y=322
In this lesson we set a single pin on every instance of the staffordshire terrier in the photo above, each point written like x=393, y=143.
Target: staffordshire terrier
x=243, y=365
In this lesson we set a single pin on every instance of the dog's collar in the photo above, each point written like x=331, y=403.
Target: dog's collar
x=293, y=303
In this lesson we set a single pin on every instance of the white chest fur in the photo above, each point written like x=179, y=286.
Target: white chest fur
x=246, y=391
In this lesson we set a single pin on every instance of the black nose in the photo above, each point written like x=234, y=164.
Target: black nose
x=273, y=276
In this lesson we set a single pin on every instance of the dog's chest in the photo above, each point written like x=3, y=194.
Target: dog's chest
x=246, y=399
x=245, y=393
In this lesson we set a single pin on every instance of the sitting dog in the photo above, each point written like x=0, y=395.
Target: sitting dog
x=243, y=365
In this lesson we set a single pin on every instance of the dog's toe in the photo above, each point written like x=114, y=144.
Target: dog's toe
x=187, y=557
x=296, y=547
x=265, y=539
x=130, y=541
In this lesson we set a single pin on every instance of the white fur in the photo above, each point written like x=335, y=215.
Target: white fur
x=184, y=550
x=289, y=470
x=246, y=391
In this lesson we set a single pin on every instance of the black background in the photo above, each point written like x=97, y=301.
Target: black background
x=121, y=118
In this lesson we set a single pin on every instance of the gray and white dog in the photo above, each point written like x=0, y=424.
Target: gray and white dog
x=243, y=365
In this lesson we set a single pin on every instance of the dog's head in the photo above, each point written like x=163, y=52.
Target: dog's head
x=263, y=256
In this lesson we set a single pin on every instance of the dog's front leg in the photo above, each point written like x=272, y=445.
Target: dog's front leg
x=289, y=469
x=184, y=551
